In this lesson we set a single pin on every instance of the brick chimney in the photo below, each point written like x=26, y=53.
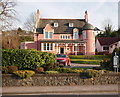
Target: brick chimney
x=37, y=19
x=86, y=16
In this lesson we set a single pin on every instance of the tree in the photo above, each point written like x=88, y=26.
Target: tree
x=10, y=40
x=7, y=14
x=29, y=25
x=108, y=29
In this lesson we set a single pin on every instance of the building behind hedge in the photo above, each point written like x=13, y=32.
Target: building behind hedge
x=63, y=36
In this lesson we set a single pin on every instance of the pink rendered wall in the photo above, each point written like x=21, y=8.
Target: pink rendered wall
x=90, y=45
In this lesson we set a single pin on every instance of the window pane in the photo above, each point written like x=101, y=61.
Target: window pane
x=51, y=46
x=51, y=34
x=46, y=34
x=75, y=35
x=75, y=48
x=68, y=37
x=47, y=46
x=44, y=46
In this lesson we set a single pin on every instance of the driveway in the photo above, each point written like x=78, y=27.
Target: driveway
x=83, y=65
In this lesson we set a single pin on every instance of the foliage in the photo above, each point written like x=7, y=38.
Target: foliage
x=51, y=72
x=51, y=66
x=4, y=70
x=89, y=73
x=25, y=38
x=12, y=69
x=39, y=70
x=108, y=63
x=65, y=70
x=26, y=59
x=24, y=73
x=10, y=40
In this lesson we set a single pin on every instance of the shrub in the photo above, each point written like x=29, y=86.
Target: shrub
x=30, y=59
x=39, y=70
x=51, y=72
x=24, y=73
x=4, y=70
x=51, y=66
x=65, y=70
x=89, y=73
x=12, y=69
x=106, y=63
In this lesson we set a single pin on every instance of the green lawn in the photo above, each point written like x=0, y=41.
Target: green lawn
x=85, y=59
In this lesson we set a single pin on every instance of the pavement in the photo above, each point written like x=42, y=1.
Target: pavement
x=46, y=90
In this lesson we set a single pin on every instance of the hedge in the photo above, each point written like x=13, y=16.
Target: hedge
x=30, y=59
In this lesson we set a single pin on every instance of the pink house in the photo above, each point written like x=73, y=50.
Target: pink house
x=63, y=36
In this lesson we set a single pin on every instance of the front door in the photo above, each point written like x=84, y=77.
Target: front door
x=62, y=50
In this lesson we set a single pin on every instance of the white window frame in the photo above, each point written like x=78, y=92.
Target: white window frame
x=74, y=35
x=84, y=35
x=64, y=37
x=47, y=46
x=55, y=24
x=48, y=34
x=70, y=24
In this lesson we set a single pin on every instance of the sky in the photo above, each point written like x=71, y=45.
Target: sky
x=98, y=12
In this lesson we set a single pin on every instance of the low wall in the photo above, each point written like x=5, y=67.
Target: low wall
x=59, y=80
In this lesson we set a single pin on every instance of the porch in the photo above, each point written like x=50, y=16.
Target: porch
x=70, y=47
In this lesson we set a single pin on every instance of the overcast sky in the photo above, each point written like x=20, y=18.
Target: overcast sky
x=98, y=11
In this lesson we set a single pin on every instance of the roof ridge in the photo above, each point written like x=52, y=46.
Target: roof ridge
x=62, y=18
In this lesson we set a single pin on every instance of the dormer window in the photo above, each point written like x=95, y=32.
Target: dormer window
x=70, y=24
x=55, y=24
x=75, y=35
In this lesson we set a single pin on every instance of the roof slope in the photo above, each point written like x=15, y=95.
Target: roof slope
x=108, y=40
x=63, y=25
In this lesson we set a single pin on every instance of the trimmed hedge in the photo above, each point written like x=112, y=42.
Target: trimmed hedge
x=26, y=59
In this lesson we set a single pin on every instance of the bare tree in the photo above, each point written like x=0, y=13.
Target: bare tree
x=29, y=25
x=7, y=14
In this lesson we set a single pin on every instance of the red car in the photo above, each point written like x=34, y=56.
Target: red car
x=63, y=59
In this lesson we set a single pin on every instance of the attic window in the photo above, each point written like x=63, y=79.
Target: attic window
x=55, y=24
x=70, y=24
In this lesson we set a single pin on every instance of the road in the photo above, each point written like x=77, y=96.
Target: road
x=82, y=89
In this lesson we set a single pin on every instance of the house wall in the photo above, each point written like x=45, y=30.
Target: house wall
x=113, y=46
x=27, y=45
x=98, y=46
x=90, y=42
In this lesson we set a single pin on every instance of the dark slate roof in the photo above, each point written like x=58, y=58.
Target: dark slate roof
x=62, y=41
x=108, y=40
x=88, y=26
x=63, y=25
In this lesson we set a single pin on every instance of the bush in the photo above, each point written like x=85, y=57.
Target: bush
x=30, y=59
x=51, y=66
x=51, y=72
x=65, y=70
x=12, y=69
x=89, y=73
x=24, y=73
x=39, y=70
x=4, y=70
